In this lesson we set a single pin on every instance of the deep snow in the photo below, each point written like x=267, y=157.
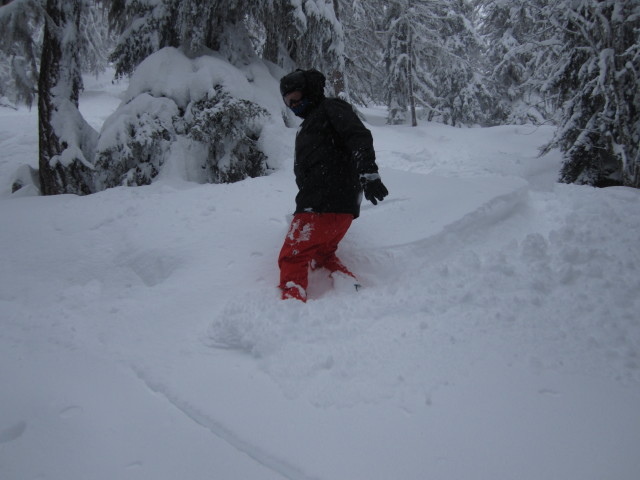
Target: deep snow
x=497, y=335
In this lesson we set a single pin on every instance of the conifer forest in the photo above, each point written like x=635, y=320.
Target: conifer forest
x=574, y=64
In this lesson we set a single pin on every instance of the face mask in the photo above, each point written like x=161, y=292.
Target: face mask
x=301, y=108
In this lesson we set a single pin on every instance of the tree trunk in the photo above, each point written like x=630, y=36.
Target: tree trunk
x=412, y=100
x=271, y=45
x=63, y=134
x=337, y=76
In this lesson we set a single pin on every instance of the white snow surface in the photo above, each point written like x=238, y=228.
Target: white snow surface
x=496, y=334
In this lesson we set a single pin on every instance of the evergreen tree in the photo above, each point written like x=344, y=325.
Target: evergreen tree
x=362, y=21
x=294, y=34
x=521, y=53
x=288, y=32
x=599, y=81
x=66, y=141
x=303, y=34
x=431, y=61
x=96, y=39
x=20, y=23
x=212, y=135
x=454, y=69
x=398, y=63
x=143, y=27
x=146, y=26
x=54, y=42
x=221, y=130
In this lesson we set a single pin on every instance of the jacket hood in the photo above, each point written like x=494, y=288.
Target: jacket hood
x=310, y=82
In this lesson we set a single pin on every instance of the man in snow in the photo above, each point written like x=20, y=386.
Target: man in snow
x=334, y=163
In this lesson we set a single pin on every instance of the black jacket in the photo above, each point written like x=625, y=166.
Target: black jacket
x=333, y=148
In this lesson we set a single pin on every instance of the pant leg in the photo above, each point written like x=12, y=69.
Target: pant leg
x=336, y=229
x=311, y=236
x=297, y=251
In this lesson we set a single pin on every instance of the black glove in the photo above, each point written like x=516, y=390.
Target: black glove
x=373, y=187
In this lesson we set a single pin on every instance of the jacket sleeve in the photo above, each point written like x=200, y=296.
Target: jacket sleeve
x=353, y=133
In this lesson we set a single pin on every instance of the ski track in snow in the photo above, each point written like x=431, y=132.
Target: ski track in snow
x=252, y=450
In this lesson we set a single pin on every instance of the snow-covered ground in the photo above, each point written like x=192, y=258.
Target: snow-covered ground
x=497, y=336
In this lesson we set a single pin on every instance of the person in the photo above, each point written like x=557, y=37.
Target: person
x=334, y=163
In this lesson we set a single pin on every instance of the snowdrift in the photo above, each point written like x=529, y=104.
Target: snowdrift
x=496, y=336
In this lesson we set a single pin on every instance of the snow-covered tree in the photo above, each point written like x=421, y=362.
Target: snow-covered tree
x=599, y=79
x=219, y=130
x=399, y=63
x=201, y=117
x=362, y=22
x=146, y=26
x=303, y=34
x=521, y=53
x=454, y=68
x=66, y=141
x=293, y=33
x=431, y=61
x=96, y=39
x=22, y=24
x=143, y=27
x=20, y=43
x=289, y=33
x=52, y=43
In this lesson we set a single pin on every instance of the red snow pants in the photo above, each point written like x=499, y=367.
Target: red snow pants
x=312, y=240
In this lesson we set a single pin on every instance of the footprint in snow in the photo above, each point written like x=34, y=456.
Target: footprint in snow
x=13, y=433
